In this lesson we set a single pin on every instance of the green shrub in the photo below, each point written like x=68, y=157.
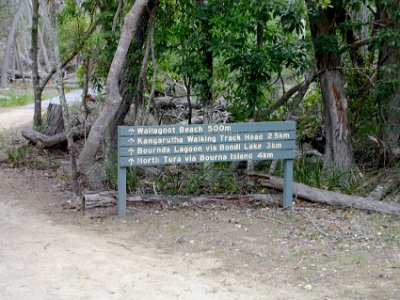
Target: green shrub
x=308, y=171
x=17, y=156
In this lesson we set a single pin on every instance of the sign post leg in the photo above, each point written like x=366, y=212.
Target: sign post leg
x=288, y=184
x=121, y=198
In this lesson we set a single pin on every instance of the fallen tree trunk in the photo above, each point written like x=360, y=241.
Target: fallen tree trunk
x=109, y=198
x=45, y=141
x=305, y=192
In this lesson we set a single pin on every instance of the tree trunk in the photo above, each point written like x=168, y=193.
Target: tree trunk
x=338, y=151
x=87, y=35
x=37, y=91
x=60, y=88
x=10, y=44
x=118, y=15
x=129, y=77
x=150, y=104
x=205, y=85
x=114, y=105
x=388, y=79
x=13, y=65
x=54, y=122
x=18, y=50
x=139, y=103
x=44, y=50
x=308, y=193
x=188, y=85
x=85, y=88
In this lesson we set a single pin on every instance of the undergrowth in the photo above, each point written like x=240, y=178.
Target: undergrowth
x=183, y=180
x=30, y=157
x=197, y=179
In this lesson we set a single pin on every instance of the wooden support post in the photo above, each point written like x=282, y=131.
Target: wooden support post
x=121, y=202
x=121, y=197
x=288, y=184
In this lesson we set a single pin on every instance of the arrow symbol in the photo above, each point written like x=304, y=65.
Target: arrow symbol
x=131, y=140
x=131, y=130
x=131, y=161
x=131, y=151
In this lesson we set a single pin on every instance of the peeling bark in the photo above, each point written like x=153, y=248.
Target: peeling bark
x=338, y=152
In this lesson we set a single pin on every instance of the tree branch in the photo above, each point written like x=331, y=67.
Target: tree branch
x=357, y=44
x=87, y=35
x=285, y=97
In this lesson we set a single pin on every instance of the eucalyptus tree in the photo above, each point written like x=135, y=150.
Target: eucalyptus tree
x=347, y=87
x=120, y=85
x=10, y=44
x=37, y=91
x=324, y=25
x=387, y=90
x=52, y=11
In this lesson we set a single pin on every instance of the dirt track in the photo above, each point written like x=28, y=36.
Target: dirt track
x=40, y=259
x=22, y=116
x=15, y=117
x=49, y=252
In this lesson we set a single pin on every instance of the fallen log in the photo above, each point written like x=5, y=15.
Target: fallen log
x=307, y=193
x=109, y=198
x=45, y=141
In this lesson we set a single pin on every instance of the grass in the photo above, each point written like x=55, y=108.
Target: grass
x=21, y=96
x=15, y=100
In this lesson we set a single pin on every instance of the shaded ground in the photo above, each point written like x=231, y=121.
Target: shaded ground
x=229, y=251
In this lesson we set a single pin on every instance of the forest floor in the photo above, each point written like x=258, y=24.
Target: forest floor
x=211, y=251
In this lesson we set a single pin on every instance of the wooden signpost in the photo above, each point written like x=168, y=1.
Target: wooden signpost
x=184, y=144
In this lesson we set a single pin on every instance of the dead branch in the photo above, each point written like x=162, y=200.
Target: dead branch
x=286, y=96
x=45, y=141
x=108, y=198
x=307, y=193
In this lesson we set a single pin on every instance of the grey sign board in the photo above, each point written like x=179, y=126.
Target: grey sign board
x=204, y=143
